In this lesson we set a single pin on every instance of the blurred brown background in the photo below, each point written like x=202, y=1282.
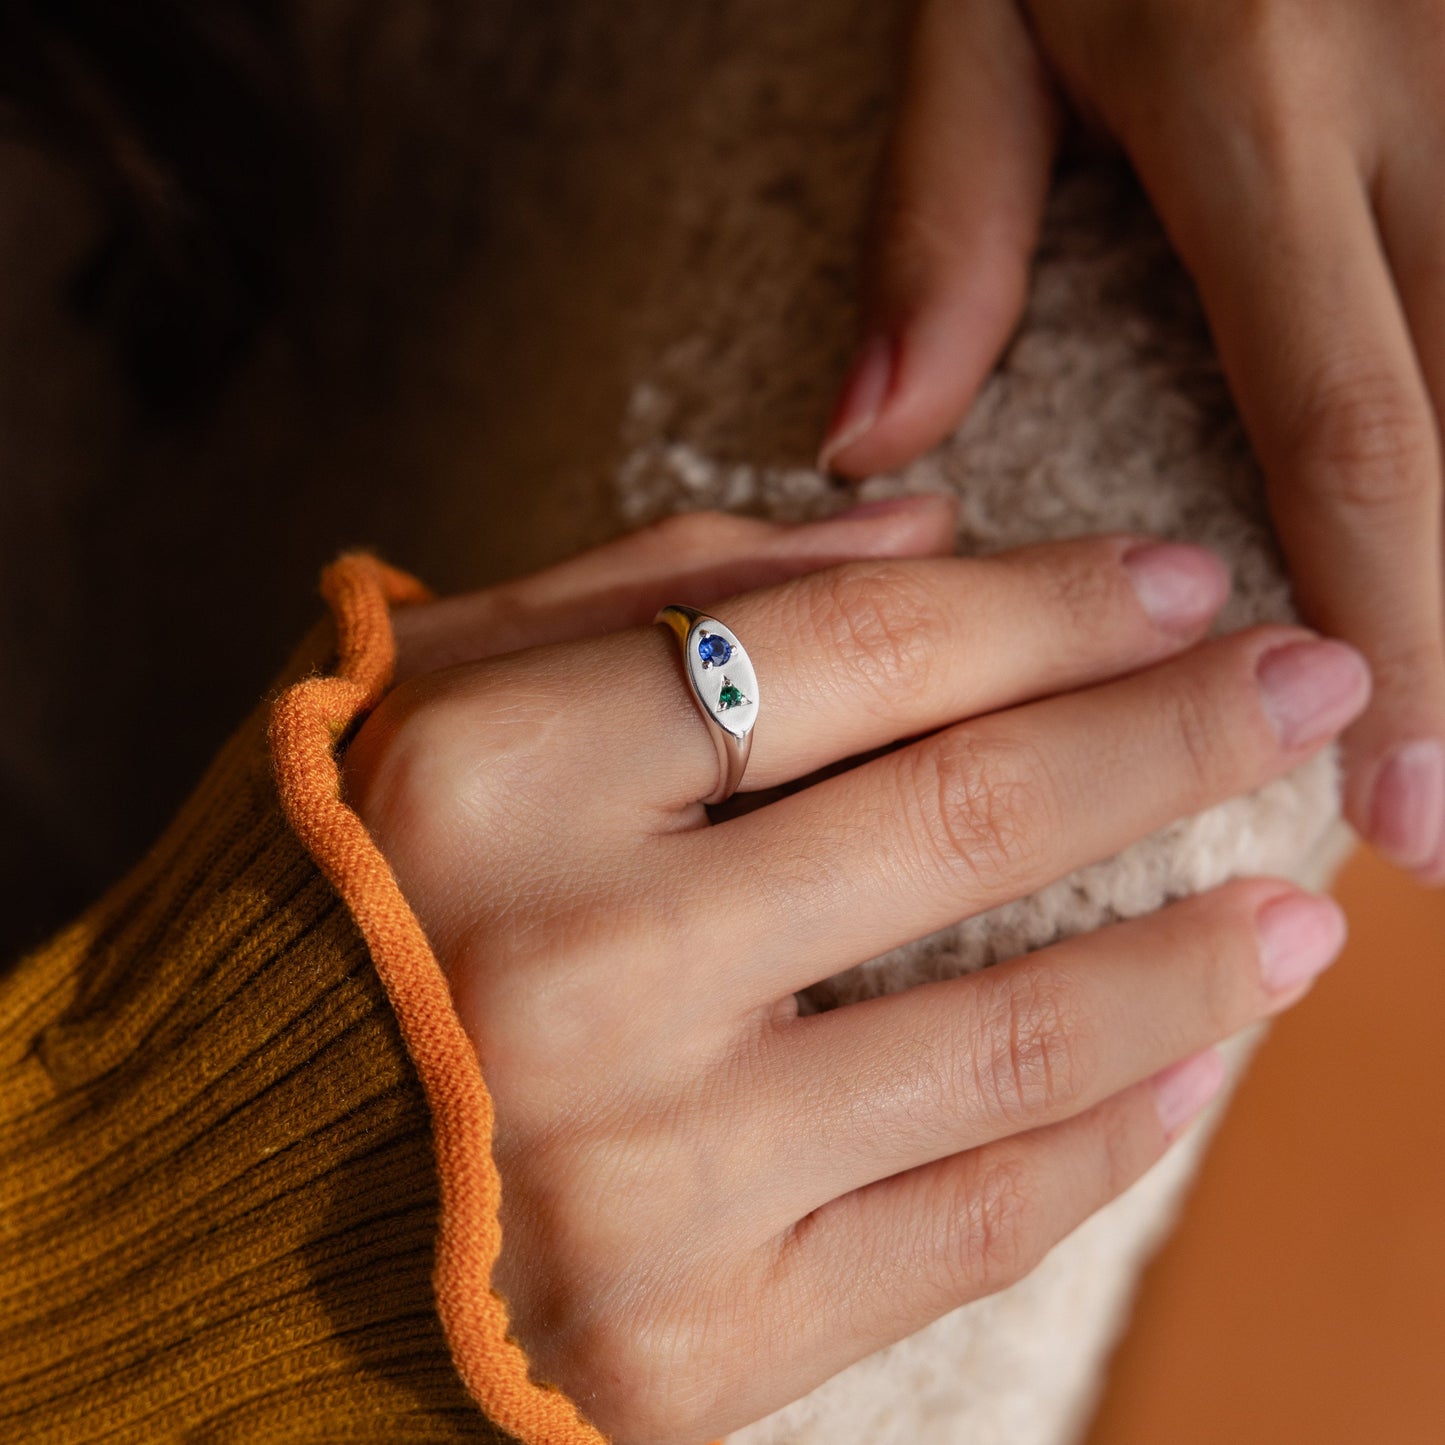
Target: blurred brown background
x=1302, y=1299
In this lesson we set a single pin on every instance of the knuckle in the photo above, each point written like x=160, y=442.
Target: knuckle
x=985, y=809
x=1081, y=585
x=914, y=239
x=390, y=767
x=1258, y=41
x=1247, y=49
x=1365, y=443
x=1221, y=935
x=1123, y=1150
x=1194, y=728
x=1033, y=1056
x=886, y=620
x=1408, y=663
x=687, y=530
x=429, y=760
x=920, y=248
x=991, y=1228
x=1250, y=28
x=695, y=534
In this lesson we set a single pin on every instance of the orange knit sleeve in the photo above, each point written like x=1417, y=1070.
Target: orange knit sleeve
x=246, y=1187
x=307, y=722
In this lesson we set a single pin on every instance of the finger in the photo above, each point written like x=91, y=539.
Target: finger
x=697, y=556
x=994, y=809
x=870, y=1090
x=1409, y=819
x=857, y=656
x=884, y=1261
x=1311, y=334
x=966, y=179
x=861, y=655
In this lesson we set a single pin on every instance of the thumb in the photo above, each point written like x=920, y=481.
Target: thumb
x=963, y=192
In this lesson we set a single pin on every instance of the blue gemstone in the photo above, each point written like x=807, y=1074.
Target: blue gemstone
x=713, y=650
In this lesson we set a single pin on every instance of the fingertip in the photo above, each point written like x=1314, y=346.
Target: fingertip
x=956, y=226
x=1180, y=586
x=860, y=403
x=935, y=362
x=1310, y=688
x=1184, y=1090
x=1401, y=808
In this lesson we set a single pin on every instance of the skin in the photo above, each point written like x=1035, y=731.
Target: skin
x=1292, y=149
x=710, y=1202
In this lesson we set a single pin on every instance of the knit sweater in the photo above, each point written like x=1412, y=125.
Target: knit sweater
x=246, y=1189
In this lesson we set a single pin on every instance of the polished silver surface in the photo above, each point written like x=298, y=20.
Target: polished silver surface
x=723, y=685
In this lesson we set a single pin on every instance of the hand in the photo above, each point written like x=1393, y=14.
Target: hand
x=710, y=1202
x=1293, y=149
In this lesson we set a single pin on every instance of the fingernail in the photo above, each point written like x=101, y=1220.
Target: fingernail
x=860, y=400
x=1179, y=586
x=1408, y=816
x=1300, y=935
x=884, y=507
x=1310, y=690
x=1183, y=1089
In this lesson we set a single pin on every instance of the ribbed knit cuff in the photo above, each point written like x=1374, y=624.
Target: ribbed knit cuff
x=308, y=722
x=219, y=1198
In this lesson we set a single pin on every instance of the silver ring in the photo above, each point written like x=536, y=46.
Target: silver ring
x=724, y=687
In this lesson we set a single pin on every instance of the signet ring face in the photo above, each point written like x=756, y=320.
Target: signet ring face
x=724, y=686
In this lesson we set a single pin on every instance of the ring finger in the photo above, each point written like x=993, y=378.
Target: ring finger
x=855, y=657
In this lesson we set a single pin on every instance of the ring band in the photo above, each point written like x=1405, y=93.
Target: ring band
x=724, y=686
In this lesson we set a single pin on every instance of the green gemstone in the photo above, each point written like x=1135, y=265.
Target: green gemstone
x=730, y=696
